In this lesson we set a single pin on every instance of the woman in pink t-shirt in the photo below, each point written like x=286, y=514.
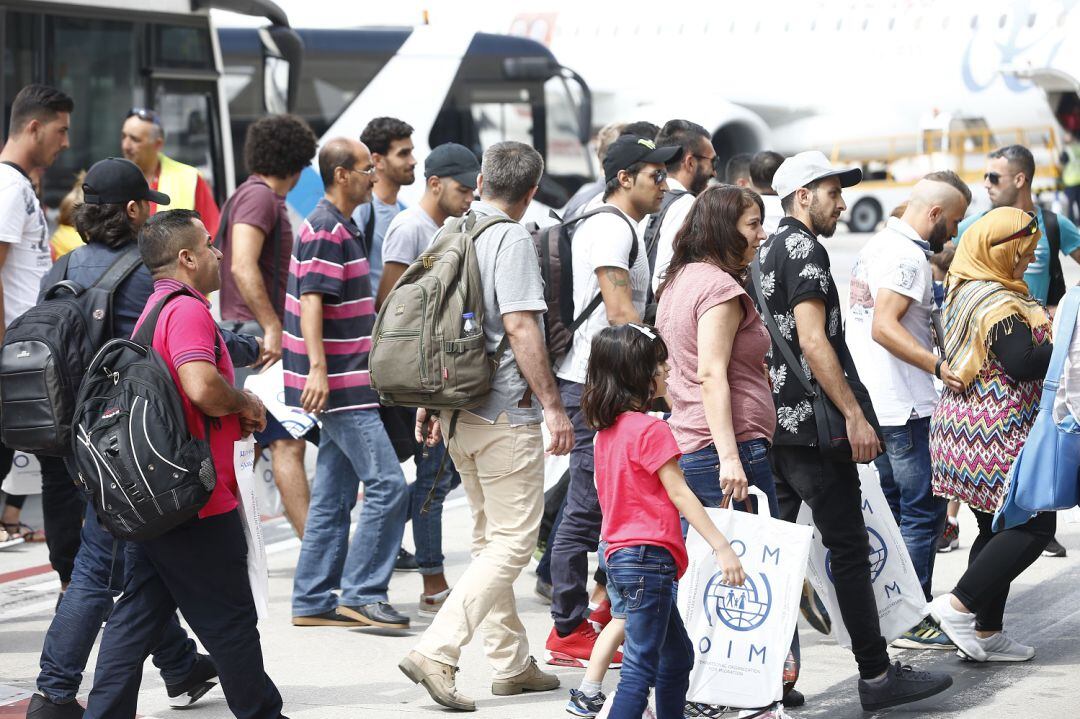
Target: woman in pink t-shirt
x=642, y=493
x=722, y=413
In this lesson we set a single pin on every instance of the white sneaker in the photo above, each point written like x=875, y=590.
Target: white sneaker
x=1000, y=648
x=958, y=626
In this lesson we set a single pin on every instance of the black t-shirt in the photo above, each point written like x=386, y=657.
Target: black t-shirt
x=795, y=268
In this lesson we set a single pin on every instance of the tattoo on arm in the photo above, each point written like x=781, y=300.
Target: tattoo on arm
x=617, y=277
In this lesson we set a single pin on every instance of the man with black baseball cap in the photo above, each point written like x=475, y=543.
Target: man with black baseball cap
x=796, y=294
x=611, y=283
x=115, y=180
x=117, y=204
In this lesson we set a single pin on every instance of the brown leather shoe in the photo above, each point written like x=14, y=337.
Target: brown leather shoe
x=438, y=679
x=530, y=680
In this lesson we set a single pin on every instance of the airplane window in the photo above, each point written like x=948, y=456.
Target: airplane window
x=732, y=28
x=1031, y=20
x=1002, y=20
x=865, y=24
x=813, y=25
x=757, y=26
x=974, y=22
x=892, y=23
x=705, y=29
x=840, y=24
x=945, y=23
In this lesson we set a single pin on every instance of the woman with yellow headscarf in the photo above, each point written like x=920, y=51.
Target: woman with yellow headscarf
x=997, y=340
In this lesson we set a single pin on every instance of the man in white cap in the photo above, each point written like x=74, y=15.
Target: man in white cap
x=800, y=304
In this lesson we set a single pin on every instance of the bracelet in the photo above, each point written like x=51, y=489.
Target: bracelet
x=937, y=367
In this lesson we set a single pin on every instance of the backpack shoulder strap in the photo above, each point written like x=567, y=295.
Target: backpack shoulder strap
x=63, y=263
x=591, y=307
x=369, y=229
x=1053, y=231
x=145, y=333
x=656, y=222
x=120, y=269
x=1056, y=289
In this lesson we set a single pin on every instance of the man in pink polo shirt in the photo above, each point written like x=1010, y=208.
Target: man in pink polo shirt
x=200, y=567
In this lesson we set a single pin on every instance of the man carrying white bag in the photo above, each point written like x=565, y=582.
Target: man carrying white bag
x=741, y=635
x=897, y=590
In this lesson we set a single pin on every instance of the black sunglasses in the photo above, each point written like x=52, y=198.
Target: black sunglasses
x=993, y=177
x=1031, y=228
x=144, y=114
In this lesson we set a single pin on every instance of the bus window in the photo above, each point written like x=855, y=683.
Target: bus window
x=94, y=61
x=188, y=111
x=182, y=46
x=499, y=121
x=565, y=154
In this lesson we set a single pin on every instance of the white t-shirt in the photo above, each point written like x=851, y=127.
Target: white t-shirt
x=22, y=225
x=893, y=259
x=774, y=212
x=1067, y=399
x=409, y=234
x=603, y=240
x=673, y=220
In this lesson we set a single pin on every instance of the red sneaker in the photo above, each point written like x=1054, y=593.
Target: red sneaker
x=575, y=648
x=600, y=616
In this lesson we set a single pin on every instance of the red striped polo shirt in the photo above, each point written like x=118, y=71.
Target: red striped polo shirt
x=328, y=259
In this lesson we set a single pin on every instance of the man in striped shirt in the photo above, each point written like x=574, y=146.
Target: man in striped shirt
x=329, y=314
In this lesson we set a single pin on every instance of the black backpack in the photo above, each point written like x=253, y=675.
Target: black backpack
x=133, y=453
x=652, y=243
x=45, y=353
x=553, y=244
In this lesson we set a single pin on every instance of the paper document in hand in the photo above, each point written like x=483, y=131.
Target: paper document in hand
x=269, y=386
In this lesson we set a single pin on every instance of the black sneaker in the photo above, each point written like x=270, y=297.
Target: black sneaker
x=901, y=685
x=406, y=562
x=583, y=705
x=197, y=683
x=794, y=698
x=41, y=707
x=697, y=710
x=1054, y=549
x=379, y=614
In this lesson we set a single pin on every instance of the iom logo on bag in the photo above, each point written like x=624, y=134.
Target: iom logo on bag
x=879, y=554
x=740, y=608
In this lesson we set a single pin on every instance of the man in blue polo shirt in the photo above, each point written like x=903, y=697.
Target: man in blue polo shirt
x=1008, y=183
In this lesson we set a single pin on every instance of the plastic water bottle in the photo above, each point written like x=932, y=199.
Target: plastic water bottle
x=470, y=327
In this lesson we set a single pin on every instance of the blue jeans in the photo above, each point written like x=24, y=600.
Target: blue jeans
x=98, y=577
x=904, y=470
x=353, y=448
x=702, y=471
x=427, y=526
x=657, y=651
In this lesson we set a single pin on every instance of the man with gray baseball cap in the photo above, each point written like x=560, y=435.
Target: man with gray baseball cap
x=797, y=296
x=450, y=172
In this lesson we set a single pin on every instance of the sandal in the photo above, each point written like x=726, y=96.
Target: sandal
x=23, y=531
x=9, y=540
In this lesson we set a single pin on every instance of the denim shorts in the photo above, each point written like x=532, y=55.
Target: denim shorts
x=618, y=604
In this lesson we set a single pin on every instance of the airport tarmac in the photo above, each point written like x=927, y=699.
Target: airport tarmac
x=328, y=673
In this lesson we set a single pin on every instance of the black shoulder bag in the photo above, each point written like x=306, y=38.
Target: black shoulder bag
x=832, y=437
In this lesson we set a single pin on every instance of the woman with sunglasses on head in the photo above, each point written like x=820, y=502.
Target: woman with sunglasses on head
x=998, y=341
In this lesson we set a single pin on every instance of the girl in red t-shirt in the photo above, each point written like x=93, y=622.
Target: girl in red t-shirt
x=642, y=493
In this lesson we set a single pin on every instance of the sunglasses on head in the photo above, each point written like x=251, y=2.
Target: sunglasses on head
x=1031, y=228
x=144, y=114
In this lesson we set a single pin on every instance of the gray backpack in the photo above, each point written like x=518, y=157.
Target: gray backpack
x=419, y=356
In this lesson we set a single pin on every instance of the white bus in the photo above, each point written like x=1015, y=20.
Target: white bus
x=475, y=89
x=114, y=55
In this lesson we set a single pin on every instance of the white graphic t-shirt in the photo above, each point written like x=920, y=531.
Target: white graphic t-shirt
x=23, y=226
x=894, y=259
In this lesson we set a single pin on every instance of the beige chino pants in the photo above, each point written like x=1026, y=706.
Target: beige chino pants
x=502, y=471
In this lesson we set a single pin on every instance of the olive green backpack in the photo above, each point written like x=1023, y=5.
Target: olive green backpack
x=419, y=357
